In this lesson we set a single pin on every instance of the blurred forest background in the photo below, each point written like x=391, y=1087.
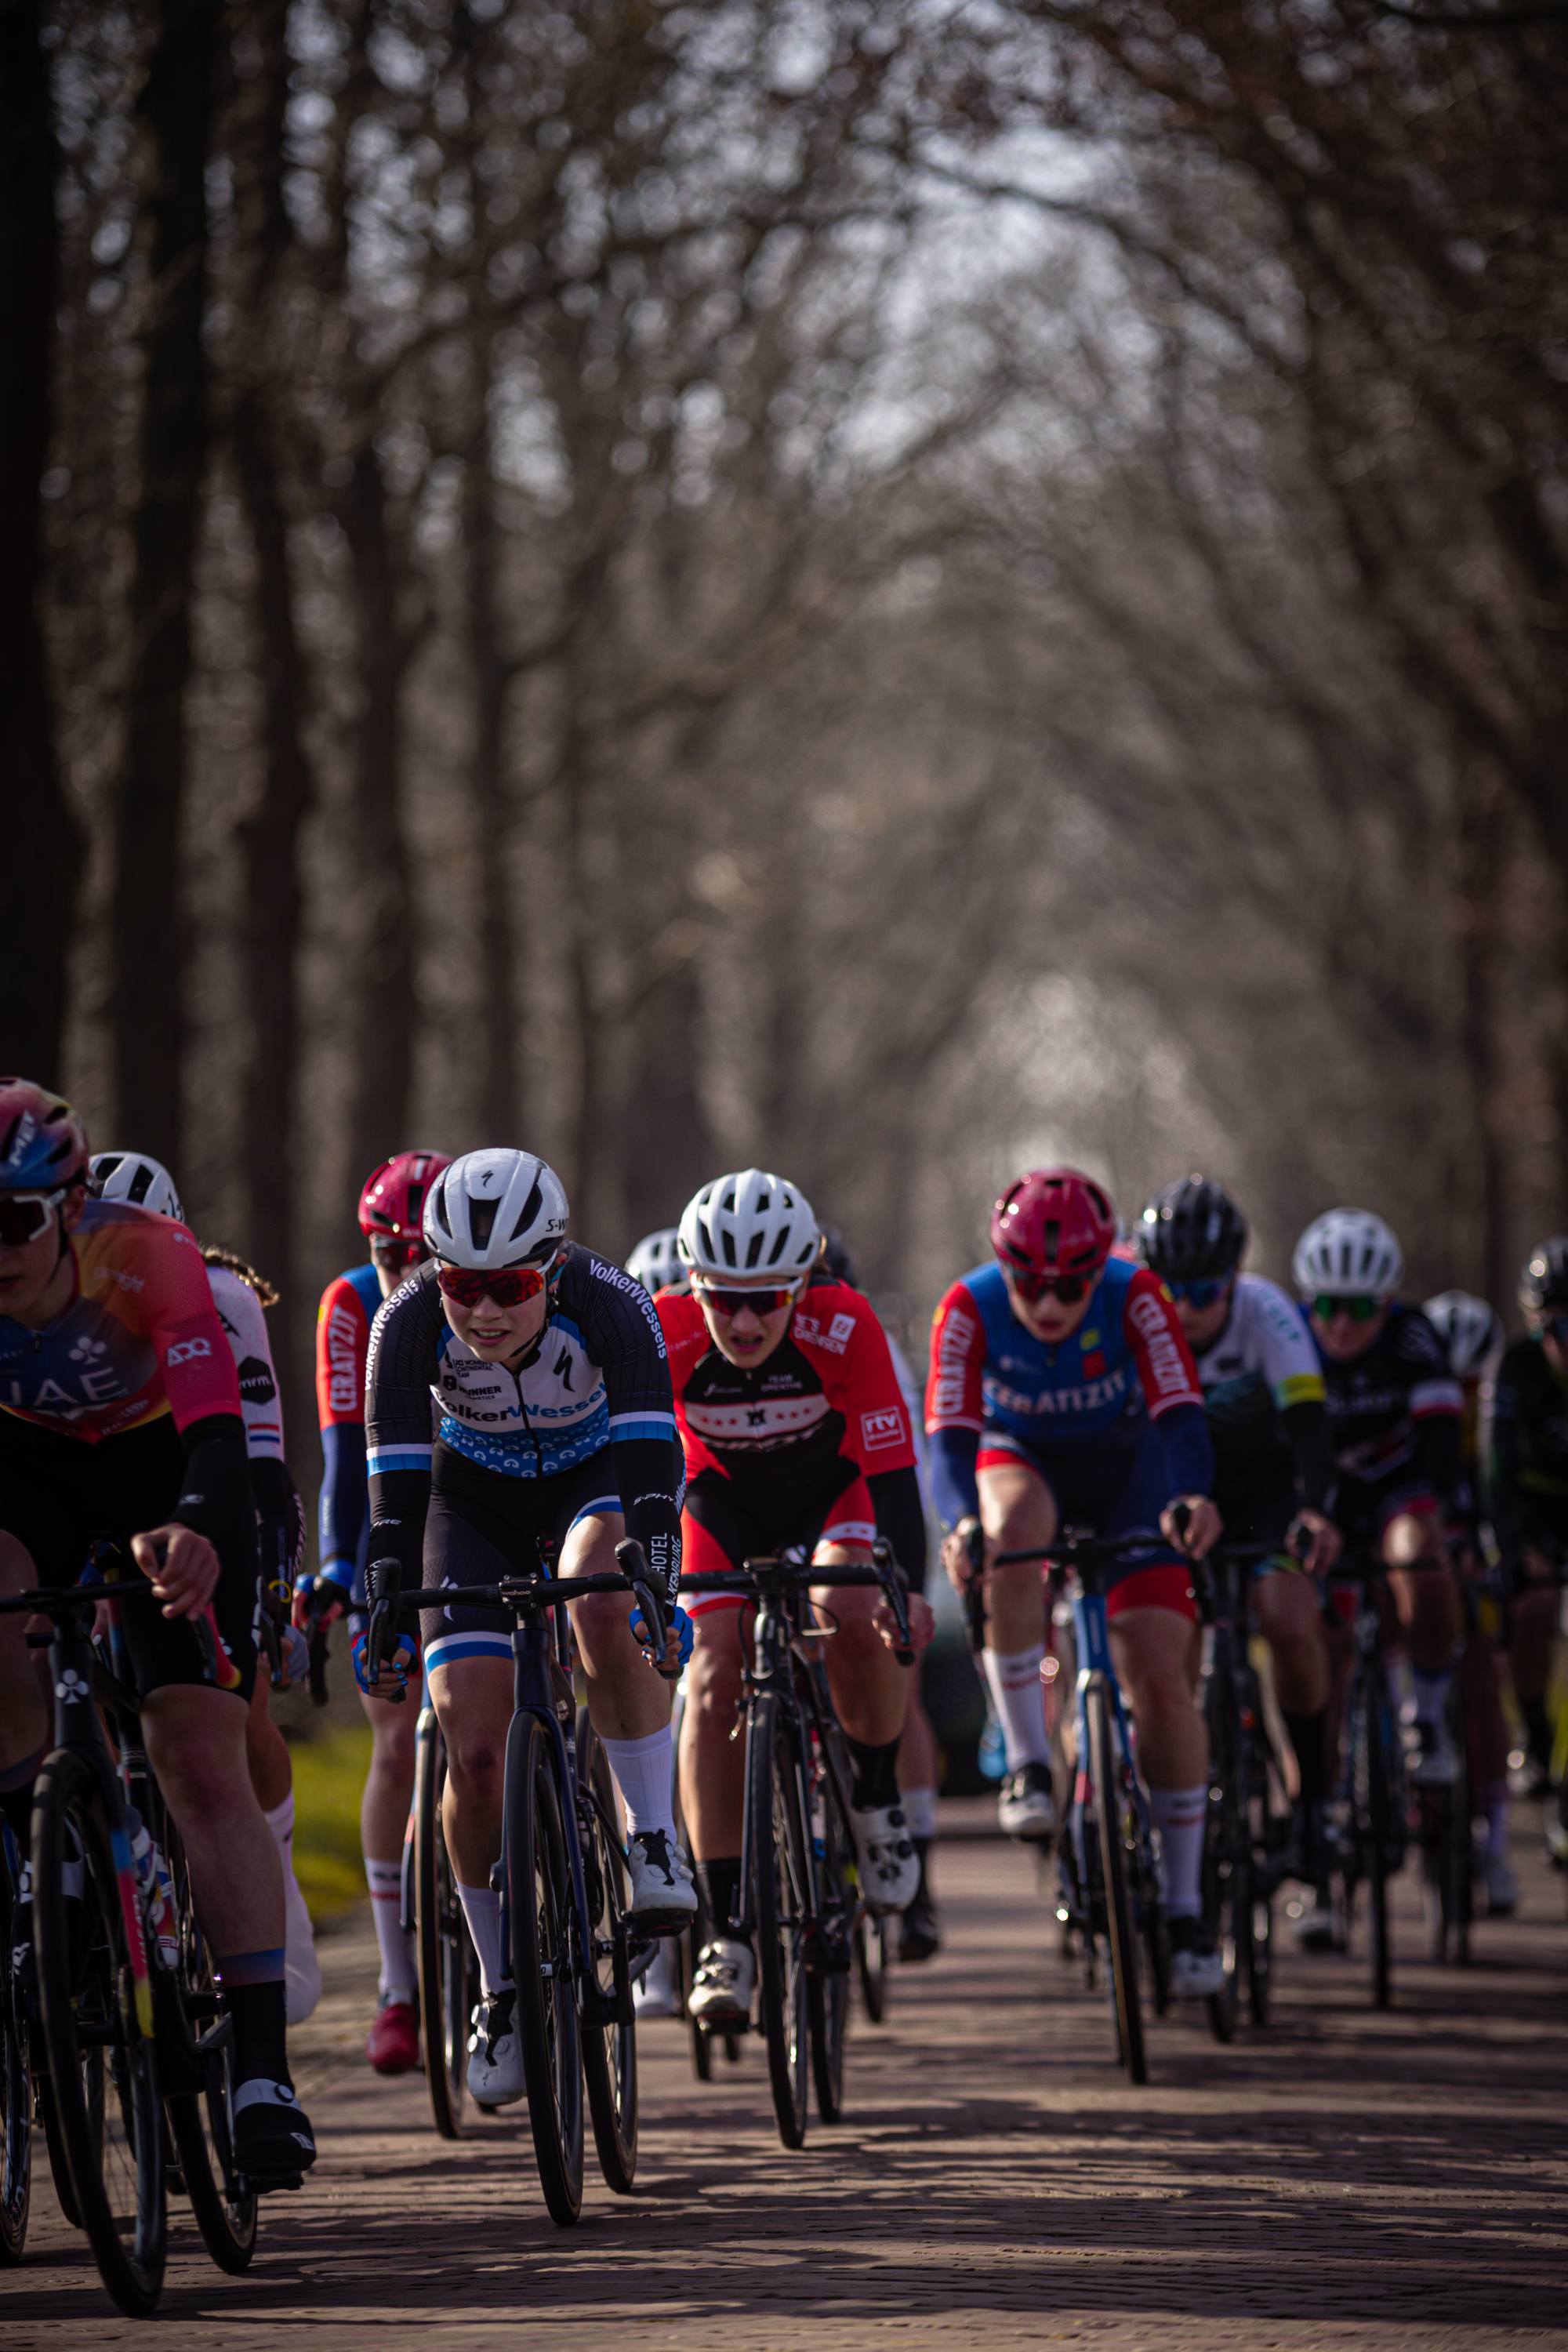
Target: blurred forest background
x=880, y=589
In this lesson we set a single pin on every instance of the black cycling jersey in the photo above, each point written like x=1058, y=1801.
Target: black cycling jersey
x=595, y=1383
x=1527, y=1455
x=1394, y=1414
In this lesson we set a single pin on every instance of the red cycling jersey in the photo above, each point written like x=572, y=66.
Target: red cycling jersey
x=828, y=1392
x=141, y=1337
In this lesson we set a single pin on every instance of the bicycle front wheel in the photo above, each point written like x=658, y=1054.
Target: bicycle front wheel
x=446, y=1956
x=16, y=2088
x=609, y=2050
x=539, y=1887
x=111, y=2132
x=779, y=1888
x=872, y=1948
x=1108, y=1810
x=1372, y=1807
x=1227, y=1854
x=201, y=2121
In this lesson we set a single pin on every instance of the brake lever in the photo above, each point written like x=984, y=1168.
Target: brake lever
x=895, y=1590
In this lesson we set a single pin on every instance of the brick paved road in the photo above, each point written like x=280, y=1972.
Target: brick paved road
x=1344, y=2179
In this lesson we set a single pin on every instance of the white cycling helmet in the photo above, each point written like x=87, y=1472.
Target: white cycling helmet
x=751, y=1222
x=656, y=1261
x=491, y=1209
x=132, y=1176
x=1348, y=1254
x=1469, y=1329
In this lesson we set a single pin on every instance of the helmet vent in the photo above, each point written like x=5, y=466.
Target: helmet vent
x=482, y=1217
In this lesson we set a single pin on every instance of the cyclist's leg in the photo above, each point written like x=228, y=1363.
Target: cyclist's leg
x=1288, y=1610
x=272, y=1778
x=1018, y=1513
x=1487, y=1728
x=870, y=1694
x=920, y=1935
x=391, y=2044
x=1425, y=1595
x=1532, y=1635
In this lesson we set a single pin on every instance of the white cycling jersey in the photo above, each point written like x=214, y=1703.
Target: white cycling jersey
x=1263, y=1362
x=244, y=1320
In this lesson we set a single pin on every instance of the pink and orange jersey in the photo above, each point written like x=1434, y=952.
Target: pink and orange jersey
x=141, y=1337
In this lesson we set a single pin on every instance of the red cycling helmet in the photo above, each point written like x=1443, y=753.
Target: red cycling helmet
x=392, y=1205
x=1052, y=1222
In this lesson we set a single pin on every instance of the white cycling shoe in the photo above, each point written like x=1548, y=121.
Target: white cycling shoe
x=1026, y=1808
x=1433, y=1762
x=886, y=1862
x=664, y=1900
x=1197, y=1970
x=495, y=2061
x=657, y=1992
x=721, y=1995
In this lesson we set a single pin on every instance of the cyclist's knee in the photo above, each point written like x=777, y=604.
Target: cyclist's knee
x=601, y=1621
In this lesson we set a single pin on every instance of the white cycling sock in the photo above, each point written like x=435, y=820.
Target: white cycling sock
x=645, y=1775
x=280, y=1821
x=398, y=1973
x=920, y=1812
x=1431, y=1692
x=482, y=1909
x=1497, y=1817
x=1179, y=1816
x=1014, y=1677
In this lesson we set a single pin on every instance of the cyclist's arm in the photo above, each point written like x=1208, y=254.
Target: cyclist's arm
x=1307, y=1434
x=203, y=1390
x=1436, y=1406
x=623, y=1335
x=1502, y=1457
x=343, y=1337
x=955, y=1407
x=280, y=1518
x=400, y=1364
x=1170, y=1382
x=245, y=1323
x=900, y=1517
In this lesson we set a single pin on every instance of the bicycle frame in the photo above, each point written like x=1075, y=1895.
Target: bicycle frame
x=1091, y=1641
x=783, y=1665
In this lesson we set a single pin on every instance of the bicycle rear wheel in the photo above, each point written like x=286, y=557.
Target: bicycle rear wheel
x=609, y=2052
x=872, y=1948
x=1227, y=1854
x=827, y=1985
x=1110, y=1809
x=539, y=1886
x=17, y=2085
x=446, y=1956
x=112, y=2133
x=201, y=2122
x=778, y=1862
x=1371, y=1810
x=1261, y=1779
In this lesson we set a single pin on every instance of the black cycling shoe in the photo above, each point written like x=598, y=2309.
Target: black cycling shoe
x=273, y=2143
x=919, y=1926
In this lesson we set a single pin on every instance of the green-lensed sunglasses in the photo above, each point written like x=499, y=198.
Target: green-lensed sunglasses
x=1326, y=1306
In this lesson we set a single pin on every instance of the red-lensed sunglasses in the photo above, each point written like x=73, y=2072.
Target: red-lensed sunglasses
x=24, y=1215
x=1068, y=1287
x=508, y=1286
x=730, y=1302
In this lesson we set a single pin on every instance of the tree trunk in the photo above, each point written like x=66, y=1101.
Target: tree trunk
x=499, y=1113
x=578, y=1175
x=148, y=920
x=385, y=1005
x=666, y=1146
x=1484, y=1237
x=44, y=842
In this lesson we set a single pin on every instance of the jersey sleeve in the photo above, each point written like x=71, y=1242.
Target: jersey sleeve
x=1289, y=1360
x=953, y=1395
x=185, y=1326
x=245, y=1326
x=1154, y=1332
x=1430, y=1386
x=343, y=1341
x=626, y=1338
x=400, y=1365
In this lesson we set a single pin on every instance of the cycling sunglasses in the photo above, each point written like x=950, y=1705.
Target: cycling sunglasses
x=1326, y=1306
x=396, y=1252
x=1205, y=1290
x=1068, y=1287
x=508, y=1286
x=24, y=1215
x=761, y=1302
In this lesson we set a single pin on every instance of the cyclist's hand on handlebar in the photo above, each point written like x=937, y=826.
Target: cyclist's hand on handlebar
x=677, y=1648
x=319, y=1600
x=956, y=1554
x=186, y=1578
x=1192, y=1524
x=922, y=1622
x=1318, y=1555
x=399, y=1660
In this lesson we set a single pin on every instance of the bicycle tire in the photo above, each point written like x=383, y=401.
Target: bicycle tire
x=16, y=2088
x=779, y=1896
x=539, y=1888
x=84, y=1976
x=1458, y=1855
x=444, y=1953
x=871, y=1952
x=201, y=2122
x=1120, y=1937
x=609, y=2052
x=1228, y=1842
x=1260, y=1938
x=827, y=1988
x=1371, y=1797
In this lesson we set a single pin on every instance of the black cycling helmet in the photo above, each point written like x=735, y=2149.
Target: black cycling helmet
x=834, y=1257
x=1543, y=1280
x=1192, y=1231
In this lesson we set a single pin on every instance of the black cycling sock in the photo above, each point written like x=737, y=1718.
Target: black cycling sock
x=260, y=2047
x=1310, y=1738
x=1538, y=1735
x=718, y=1884
x=17, y=1806
x=876, y=1774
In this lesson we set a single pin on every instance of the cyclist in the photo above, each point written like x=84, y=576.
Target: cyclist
x=794, y=1432
x=656, y=1261
x=1062, y=1392
x=919, y=1922
x=120, y=1413
x=241, y=1296
x=1471, y=1335
x=548, y=1372
x=1393, y=1408
x=1274, y=1472
x=391, y=1207
x=1526, y=1492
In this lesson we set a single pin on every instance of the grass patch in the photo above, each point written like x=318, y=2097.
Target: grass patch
x=328, y=1780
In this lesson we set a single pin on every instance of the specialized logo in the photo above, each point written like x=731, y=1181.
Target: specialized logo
x=881, y=1429
x=187, y=1351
